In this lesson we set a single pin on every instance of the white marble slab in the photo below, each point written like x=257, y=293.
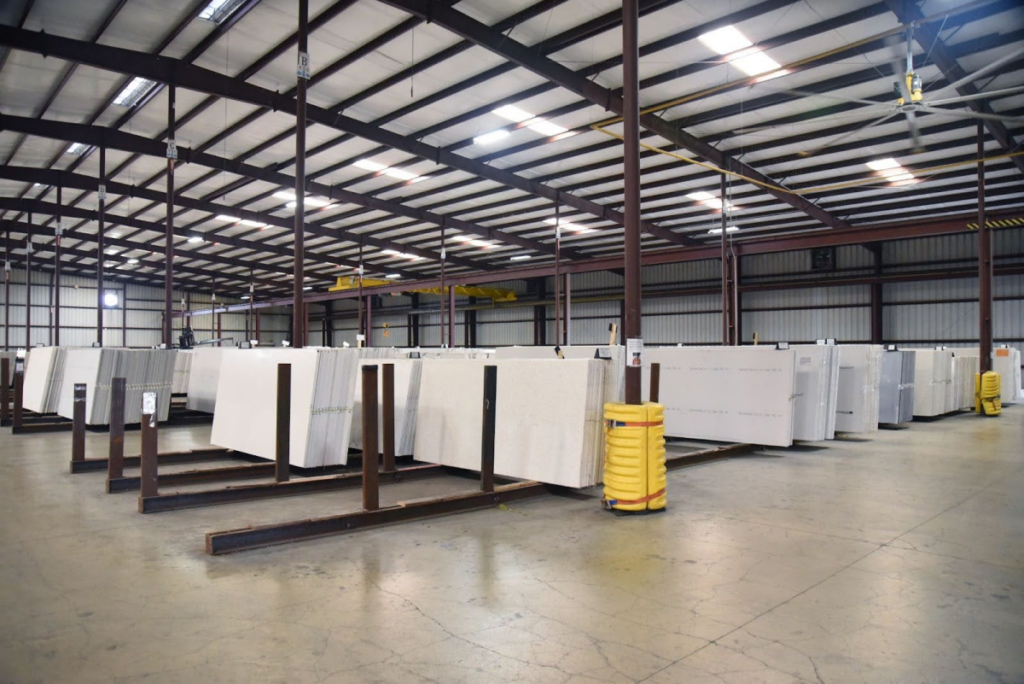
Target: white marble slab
x=859, y=380
x=407, y=391
x=726, y=394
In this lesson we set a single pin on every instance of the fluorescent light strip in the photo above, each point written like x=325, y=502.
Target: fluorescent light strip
x=228, y=219
x=392, y=276
x=753, y=62
x=883, y=164
x=521, y=257
x=709, y=200
x=368, y=165
x=77, y=148
x=466, y=239
x=574, y=227
x=545, y=127
x=725, y=40
x=492, y=137
x=393, y=252
x=513, y=113
x=718, y=231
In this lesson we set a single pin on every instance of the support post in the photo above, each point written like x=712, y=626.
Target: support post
x=414, y=322
x=7, y=290
x=115, y=456
x=388, y=411
x=28, y=287
x=371, y=490
x=631, y=172
x=557, y=277
x=736, y=310
x=56, y=267
x=148, y=467
x=568, y=310
x=18, y=419
x=443, y=259
x=5, y=390
x=725, y=265
x=490, y=412
x=78, y=424
x=100, y=231
x=655, y=382
x=169, y=225
x=369, y=321
x=282, y=460
x=302, y=76
x=876, y=297
x=451, y=315
x=984, y=265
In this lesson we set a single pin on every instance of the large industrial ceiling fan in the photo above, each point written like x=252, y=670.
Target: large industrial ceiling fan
x=910, y=99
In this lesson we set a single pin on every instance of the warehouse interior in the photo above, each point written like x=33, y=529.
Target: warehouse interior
x=561, y=341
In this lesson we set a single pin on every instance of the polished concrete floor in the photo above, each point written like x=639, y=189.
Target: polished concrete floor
x=898, y=558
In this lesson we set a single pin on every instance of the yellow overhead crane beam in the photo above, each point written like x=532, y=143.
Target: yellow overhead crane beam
x=496, y=294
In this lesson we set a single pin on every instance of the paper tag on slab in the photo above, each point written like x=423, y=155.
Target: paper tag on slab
x=635, y=352
x=149, y=403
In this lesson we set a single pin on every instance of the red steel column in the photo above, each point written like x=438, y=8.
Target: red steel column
x=100, y=208
x=631, y=170
x=28, y=286
x=725, y=267
x=443, y=256
x=56, y=269
x=557, y=279
x=984, y=265
x=302, y=72
x=7, y=290
x=172, y=154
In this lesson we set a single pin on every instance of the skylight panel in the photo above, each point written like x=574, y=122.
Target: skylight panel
x=755, y=63
x=547, y=128
x=77, y=148
x=368, y=165
x=133, y=92
x=217, y=11
x=883, y=164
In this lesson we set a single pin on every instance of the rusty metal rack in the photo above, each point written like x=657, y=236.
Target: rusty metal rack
x=372, y=515
x=283, y=485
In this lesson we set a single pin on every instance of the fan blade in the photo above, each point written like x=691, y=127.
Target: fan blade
x=980, y=72
x=844, y=136
x=915, y=134
x=971, y=114
x=826, y=96
x=977, y=96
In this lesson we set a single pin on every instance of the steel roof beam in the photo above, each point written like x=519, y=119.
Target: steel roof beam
x=167, y=70
x=504, y=46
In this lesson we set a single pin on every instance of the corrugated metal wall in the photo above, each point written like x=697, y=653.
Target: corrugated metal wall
x=681, y=304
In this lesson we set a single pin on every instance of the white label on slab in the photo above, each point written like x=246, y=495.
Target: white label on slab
x=149, y=403
x=360, y=338
x=635, y=352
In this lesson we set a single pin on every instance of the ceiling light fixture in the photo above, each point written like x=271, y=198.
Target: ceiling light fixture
x=228, y=219
x=392, y=276
x=725, y=40
x=718, y=231
x=753, y=62
x=134, y=91
x=492, y=137
x=709, y=200
x=368, y=165
x=545, y=127
x=574, y=227
x=401, y=174
x=521, y=257
x=883, y=164
x=466, y=239
x=252, y=224
x=395, y=252
x=77, y=148
x=194, y=239
x=513, y=113
x=133, y=261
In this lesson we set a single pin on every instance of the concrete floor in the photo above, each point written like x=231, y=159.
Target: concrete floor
x=898, y=558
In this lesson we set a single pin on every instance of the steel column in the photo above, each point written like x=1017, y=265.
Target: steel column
x=631, y=171
x=371, y=491
x=100, y=256
x=655, y=389
x=7, y=289
x=169, y=227
x=444, y=258
x=369, y=321
x=148, y=458
x=5, y=390
x=984, y=265
x=737, y=313
x=451, y=316
x=115, y=455
x=568, y=310
x=388, y=412
x=302, y=75
x=28, y=287
x=18, y=419
x=78, y=424
x=282, y=455
x=877, y=319
x=56, y=268
x=725, y=262
x=490, y=416
x=557, y=278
